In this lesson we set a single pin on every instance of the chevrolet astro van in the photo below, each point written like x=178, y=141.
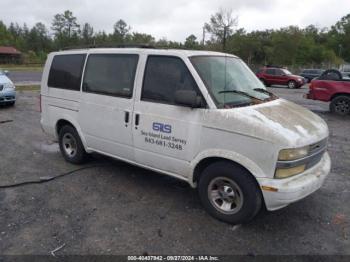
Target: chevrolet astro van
x=199, y=116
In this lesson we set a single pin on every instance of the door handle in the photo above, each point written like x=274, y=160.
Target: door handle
x=126, y=118
x=137, y=120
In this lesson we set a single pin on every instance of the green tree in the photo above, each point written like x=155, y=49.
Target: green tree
x=221, y=26
x=87, y=34
x=339, y=38
x=191, y=42
x=121, y=31
x=139, y=38
x=66, y=29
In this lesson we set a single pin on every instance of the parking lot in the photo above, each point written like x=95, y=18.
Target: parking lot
x=115, y=208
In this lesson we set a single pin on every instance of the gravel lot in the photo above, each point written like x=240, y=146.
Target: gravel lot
x=116, y=208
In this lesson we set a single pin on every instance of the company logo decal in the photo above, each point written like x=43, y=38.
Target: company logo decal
x=159, y=127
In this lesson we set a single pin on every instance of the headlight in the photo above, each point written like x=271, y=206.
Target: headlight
x=293, y=153
x=9, y=86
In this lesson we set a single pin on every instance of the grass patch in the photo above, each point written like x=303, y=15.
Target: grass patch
x=28, y=88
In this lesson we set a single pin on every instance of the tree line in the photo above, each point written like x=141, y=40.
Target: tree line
x=289, y=46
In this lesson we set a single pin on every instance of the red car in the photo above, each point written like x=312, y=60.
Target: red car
x=279, y=76
x=337, y=91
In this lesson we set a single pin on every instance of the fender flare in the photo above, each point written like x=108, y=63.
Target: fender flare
x=75, y=124
x=245, y=162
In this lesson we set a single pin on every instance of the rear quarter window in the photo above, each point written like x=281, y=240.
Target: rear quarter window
x=66, y=71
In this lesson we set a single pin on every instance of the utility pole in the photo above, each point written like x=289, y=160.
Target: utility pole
x=224, y=39
x=340, y=49
x=203, y=40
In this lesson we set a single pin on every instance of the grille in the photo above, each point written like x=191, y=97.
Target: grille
x=318, y=146
x=317, y=150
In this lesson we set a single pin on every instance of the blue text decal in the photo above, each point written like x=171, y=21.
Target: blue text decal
x=159, y=127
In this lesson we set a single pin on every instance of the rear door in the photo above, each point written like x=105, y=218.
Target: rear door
x=107, y=103
x=270, y=75
x=166, y=135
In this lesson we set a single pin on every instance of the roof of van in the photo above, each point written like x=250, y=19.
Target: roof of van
x=145, y=51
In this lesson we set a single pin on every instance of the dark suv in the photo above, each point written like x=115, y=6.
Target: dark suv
x=310, y=74
x=279, y=76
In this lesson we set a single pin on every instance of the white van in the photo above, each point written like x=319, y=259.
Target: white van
x=199, y=116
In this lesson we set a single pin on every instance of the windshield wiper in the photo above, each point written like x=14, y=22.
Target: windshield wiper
x=262, y=90
x=240, y=92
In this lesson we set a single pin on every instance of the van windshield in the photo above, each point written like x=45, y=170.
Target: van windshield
x=230, y=82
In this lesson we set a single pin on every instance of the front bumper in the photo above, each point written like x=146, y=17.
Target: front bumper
x=292, y=189
x=7, y=96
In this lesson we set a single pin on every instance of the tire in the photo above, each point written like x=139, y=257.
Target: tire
x=229, y=193
x=340, y=105
x=71, y=147
x=292, y=84
x=331, y=74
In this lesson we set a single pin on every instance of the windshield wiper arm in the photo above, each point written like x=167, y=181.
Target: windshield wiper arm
x=240, y=92
x=262, y=90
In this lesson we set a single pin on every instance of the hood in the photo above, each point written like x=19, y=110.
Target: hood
x=278, y=121
x=4, y=80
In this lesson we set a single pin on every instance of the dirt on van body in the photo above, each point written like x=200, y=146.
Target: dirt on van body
x=115, y=208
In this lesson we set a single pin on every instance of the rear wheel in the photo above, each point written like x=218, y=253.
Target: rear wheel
x=292, y=84
x=71, y=146
x=340, y=105
x=229, y=193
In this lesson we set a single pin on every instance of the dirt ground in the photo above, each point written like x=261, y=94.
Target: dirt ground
x=115, y=208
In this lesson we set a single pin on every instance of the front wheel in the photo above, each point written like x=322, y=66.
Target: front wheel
x=340, y=105
x=229, y=193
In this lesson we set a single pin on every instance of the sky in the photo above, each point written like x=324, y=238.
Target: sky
x=177, y=19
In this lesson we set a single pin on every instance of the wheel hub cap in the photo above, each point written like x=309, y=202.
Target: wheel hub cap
x=343, y=107
x=69, y=145
x=225, y=195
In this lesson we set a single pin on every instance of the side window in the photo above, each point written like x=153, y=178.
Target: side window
x=110, y=74
x=270, y=71
x=163, y=77
x=279, y=72
x=65, y=71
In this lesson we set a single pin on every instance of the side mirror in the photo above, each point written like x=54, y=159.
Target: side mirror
x=188, y=98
